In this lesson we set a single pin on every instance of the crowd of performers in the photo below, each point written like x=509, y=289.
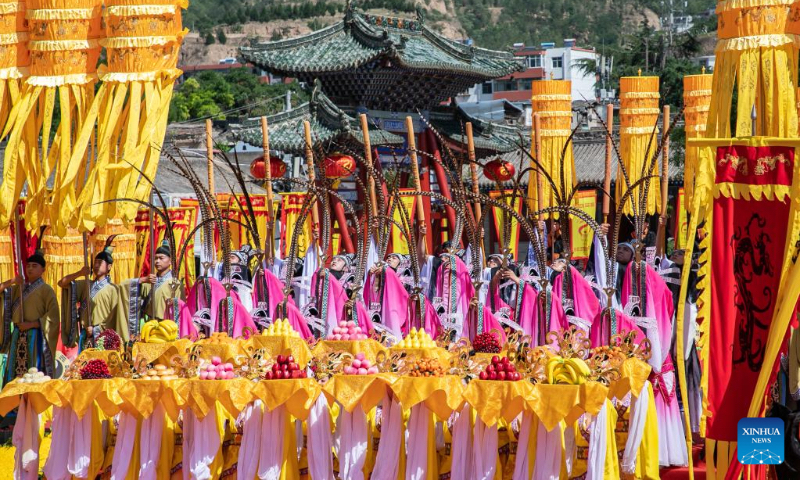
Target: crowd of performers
x=240, y=296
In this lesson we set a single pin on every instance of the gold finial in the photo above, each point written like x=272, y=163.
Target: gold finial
x=640, y=72
x=704, y=70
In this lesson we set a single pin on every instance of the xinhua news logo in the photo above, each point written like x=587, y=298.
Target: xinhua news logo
x=760, y=441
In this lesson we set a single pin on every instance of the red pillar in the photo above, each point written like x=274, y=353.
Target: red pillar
x=338, y=213
x=441, y=177
x=425, y=186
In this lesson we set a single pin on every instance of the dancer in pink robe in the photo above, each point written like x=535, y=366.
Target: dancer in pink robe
x=523, y=308
x=385, y=289
x=656, y=308
x=209, y=293
x=331, y=296
x=585, y=306
x=274, y=297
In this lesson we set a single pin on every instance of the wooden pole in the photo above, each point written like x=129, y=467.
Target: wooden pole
x=473, y=167
x=665, y=164
x=267, y=186
x=662, y=225
x=609, y=155
x=537, y=134
x=311, y=176
x=412, y=155
x=210, y=156
x=373, y=199
x=20, y=265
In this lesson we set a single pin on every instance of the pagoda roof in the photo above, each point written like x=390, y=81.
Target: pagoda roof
x=383, y=63
x=328, y=124
x=490, y=138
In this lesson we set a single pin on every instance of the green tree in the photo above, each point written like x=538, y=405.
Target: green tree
x=209, y=38
x=221, y=38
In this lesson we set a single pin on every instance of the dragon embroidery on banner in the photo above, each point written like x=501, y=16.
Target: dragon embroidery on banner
x=750, y=260
x=737, y=163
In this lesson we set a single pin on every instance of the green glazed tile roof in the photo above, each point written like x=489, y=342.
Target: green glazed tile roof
x=328, y=124
x=382, y=63
x=360, y=38
x=490, y=138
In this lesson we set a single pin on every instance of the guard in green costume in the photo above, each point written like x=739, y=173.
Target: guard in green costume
x=85, y=316
x=29, y=331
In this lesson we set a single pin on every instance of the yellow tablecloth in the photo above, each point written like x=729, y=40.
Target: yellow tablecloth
x=161, y=352
x=354, y=390
x=280, y=345
x=493, y=400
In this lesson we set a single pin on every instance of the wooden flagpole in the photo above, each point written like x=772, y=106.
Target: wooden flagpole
x=268, y=246
x=312, y=178
x=662, y=225
x=412, y=155
x=210, y=156
x=473, y=168
x=609, y=155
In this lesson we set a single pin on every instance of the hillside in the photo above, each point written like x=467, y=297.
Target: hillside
x=491, y=23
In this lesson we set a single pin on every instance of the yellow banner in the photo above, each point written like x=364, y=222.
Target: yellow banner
x=505, y=196
x=290, y=213
x=581, y=234
x=399, y=242
x=682, y=226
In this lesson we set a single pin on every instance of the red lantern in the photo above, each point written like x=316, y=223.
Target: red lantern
x=277, y=168
x=339, y=165
x=499, y=170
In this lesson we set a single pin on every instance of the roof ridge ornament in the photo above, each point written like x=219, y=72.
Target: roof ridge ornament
x=420, y=14
x=349, y=14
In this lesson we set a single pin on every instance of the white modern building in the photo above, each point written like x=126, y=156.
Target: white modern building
x=546, y=61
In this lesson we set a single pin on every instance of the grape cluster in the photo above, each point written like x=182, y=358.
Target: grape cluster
x=108, y=340
x=486, y=342
x=94, y=369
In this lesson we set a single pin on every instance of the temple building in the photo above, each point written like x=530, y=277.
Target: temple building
x=387, y=68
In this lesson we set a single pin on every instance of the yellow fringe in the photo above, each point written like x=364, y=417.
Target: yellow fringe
x=141, y=42
x=632, y=95
x=62, y=14
x=120, y=77
x=62, y=45
x=726, y=5
x=14, y=7
x=140, y=10
x=548, y=98
x=60, y=80
x=13, y=38
x=756, y=41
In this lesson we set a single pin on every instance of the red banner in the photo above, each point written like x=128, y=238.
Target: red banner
x=747, y=254
x=183, y=221
x=290, y=214
x=581, y=235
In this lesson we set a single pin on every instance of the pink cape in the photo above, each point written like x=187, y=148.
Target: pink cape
x=393, y=302
x=293, y=314
x=432, y=326
x=659, y=305
x=490, y=323
x=528, y=313
x=586, y=305
x=337, y=298
x=196, y=301
x=598, y=332
x=186, y=328
x=464, y=288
